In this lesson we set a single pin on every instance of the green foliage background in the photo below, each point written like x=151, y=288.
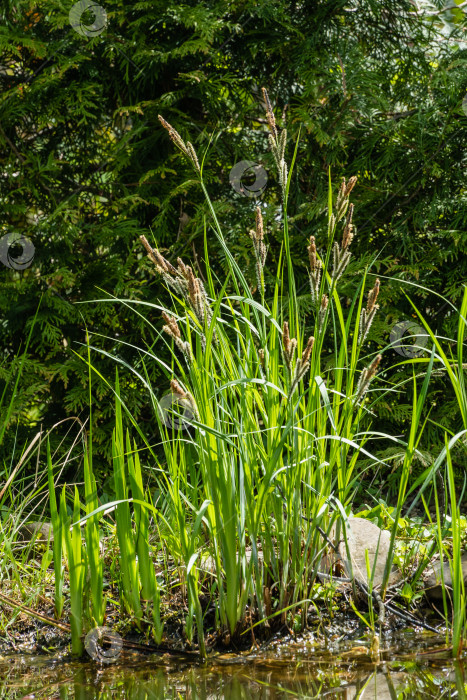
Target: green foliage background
x=375, y=90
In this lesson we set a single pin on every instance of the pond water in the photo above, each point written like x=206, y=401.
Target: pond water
x=411, y=666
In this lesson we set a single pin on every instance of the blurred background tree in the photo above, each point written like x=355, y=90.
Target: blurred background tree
x=376, y=88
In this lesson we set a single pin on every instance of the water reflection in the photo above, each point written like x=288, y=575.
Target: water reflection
x=405, y=672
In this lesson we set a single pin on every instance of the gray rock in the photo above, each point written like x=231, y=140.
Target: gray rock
x=433, y=582
x=363, y=535
x=31, y=537
x=35, y=530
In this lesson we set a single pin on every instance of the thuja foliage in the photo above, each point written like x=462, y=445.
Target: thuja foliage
x=86, y=168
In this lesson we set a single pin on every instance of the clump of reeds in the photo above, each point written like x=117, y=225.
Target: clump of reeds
x=248, y=440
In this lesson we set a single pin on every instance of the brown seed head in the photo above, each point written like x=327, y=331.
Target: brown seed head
x=347, y=236
x=192, y=154
x=366, y=376
x=270, y=114
x=171, y=328
x=183, y=268
x=193, y=285
x=307, y=351
x=372, y=296
x=161, y=263
x=312, y=254
x=259, y=224
x=372, y=369
x=342, y=188
x=261, y=356
x=348, y=228
x=286, y=337
x=174, y=135
x=289, y=344
x=177, y=389
x=350, y=185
